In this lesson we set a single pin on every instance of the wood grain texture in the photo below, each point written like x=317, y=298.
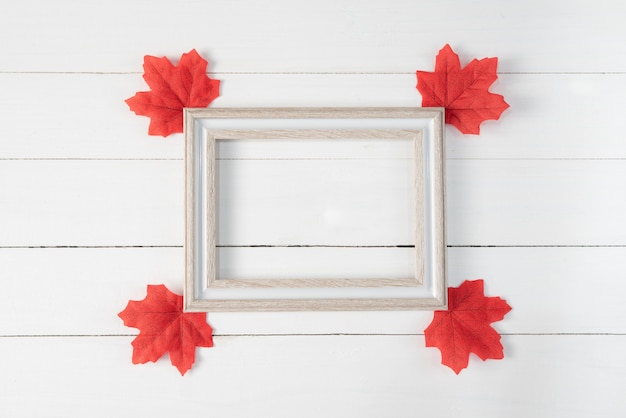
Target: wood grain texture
x=315, y=113
x=203, y=207
x=190, y=188
x=304, y=134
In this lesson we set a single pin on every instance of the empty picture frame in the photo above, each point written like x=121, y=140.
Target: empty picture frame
x=288, y=209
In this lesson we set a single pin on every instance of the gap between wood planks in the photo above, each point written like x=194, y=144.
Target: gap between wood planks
x=316, y=72
x=19, y=247
x=299, y=159
x=338, y=334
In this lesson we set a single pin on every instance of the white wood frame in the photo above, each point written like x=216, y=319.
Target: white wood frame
x=205, y=292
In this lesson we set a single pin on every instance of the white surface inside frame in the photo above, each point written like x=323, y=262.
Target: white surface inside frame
x=432, y=292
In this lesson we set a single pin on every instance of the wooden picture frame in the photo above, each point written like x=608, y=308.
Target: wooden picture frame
x=422, y=129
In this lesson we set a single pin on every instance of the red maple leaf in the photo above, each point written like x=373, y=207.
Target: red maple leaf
x=173, y=88
x=465, y=327
x=463, y=92
x=164, y=327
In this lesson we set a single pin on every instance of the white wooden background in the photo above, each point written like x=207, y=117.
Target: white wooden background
x=92, y=207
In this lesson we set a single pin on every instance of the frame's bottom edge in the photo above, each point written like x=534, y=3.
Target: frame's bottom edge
x=314, y=305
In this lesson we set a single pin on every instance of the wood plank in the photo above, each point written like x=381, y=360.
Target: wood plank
x=79, y=291
x=77, y=116
x=100, y=125
x=91, y=203
x=330, y=376
x=554, y=202
x=112, y=203
x=399, y=36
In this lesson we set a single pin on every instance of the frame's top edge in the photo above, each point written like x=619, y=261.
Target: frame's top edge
x=314, y=112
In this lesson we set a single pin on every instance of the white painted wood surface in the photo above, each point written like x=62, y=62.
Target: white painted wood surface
x=92, y=208
x=337, y=376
